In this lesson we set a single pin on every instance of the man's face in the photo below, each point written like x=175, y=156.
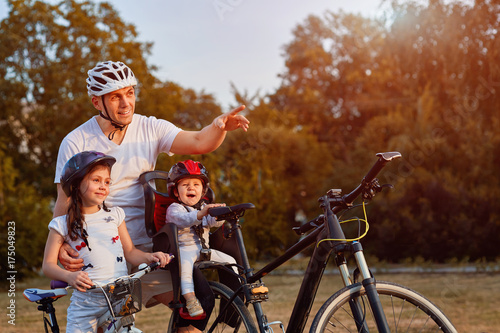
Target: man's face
x=120, y=105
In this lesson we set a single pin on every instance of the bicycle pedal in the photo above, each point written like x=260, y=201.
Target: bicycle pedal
x=258, y=292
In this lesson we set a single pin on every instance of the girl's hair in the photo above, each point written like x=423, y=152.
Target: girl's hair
x=75, y=220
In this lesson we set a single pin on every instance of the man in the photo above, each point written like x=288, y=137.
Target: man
x=135, y=141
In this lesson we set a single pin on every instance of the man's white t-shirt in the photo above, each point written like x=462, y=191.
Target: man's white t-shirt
x=145, y=139
x=103, y=258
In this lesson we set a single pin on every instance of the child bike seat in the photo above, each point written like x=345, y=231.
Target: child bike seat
x=164, y=234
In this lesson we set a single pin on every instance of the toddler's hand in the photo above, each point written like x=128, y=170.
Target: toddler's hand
x=204, y=212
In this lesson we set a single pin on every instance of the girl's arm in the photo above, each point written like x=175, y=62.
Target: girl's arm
x=135, y=256
x=78, y=280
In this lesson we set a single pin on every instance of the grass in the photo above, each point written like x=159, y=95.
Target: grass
x=471, y=301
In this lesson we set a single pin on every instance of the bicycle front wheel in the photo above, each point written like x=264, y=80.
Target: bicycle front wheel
x=405, y=310
x=236, y=317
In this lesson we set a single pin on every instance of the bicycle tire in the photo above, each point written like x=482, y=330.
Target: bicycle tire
x=238, y=317
x=405, y=310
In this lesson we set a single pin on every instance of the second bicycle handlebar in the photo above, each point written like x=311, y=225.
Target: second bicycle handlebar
x=340, y=203
x=383, y=159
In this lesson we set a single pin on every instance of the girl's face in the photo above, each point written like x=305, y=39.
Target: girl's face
x=189, y=191
x=94, y=188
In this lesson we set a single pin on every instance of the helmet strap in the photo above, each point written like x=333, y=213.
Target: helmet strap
x=108, y=118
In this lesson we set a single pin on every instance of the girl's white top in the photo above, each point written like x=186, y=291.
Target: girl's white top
x=104, y=261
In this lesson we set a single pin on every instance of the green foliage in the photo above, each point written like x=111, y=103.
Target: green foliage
x=276, y=167
x=425, y=83
x=445, y=197
x=29, y=213
x=46, y=52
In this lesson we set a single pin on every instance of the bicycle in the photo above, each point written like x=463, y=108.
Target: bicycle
x=362, y=305
x=123, y=297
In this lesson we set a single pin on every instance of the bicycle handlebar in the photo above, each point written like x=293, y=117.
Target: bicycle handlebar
x=143, y=269
x=152, y=266
x=383, y=159
x=228, y=212
x=340, y=203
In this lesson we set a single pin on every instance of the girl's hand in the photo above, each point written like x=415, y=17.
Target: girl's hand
x=80, y=281
x=163, y=258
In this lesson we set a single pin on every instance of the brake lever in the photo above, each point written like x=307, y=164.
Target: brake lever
x=373, y=188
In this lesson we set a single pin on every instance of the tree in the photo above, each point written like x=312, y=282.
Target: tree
x=423, y=82
x=278, y=168
x=46, y=52
x=24, y=217
x=331, y=79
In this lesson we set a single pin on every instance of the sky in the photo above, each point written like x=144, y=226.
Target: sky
x=207, y=44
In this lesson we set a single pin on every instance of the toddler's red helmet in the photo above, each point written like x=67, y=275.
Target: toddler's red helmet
x=79, y=165
x=188, y=168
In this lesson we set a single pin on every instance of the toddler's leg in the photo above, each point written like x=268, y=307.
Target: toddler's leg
x=219, y=256
x=189, y=255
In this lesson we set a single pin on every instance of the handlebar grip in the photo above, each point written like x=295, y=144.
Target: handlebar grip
x=56, y=284
x=152, y=266
x=383, y=159
x=381, y=162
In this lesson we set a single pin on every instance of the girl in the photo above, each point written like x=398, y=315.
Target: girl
x=97, y=233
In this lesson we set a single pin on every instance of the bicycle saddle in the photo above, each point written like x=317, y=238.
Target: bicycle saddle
x=35, y=294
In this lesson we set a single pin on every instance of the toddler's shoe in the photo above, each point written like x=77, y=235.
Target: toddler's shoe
x=194, y=308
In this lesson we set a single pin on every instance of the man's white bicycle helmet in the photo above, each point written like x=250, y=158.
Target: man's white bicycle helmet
x=109, y=76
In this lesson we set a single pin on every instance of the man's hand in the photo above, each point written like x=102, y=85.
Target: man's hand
x=67, y=259
x=232, y=120
x=210, y=137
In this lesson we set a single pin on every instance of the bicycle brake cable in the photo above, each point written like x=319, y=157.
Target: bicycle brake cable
x=350, y=220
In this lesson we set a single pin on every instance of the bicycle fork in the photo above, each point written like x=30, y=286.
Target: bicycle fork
x=371, y=291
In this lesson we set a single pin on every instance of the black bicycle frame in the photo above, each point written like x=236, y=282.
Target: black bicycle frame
x=314, y=273
x=329, y=237
x=311, y=280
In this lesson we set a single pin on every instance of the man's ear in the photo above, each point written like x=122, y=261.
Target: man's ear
x=95, y=102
